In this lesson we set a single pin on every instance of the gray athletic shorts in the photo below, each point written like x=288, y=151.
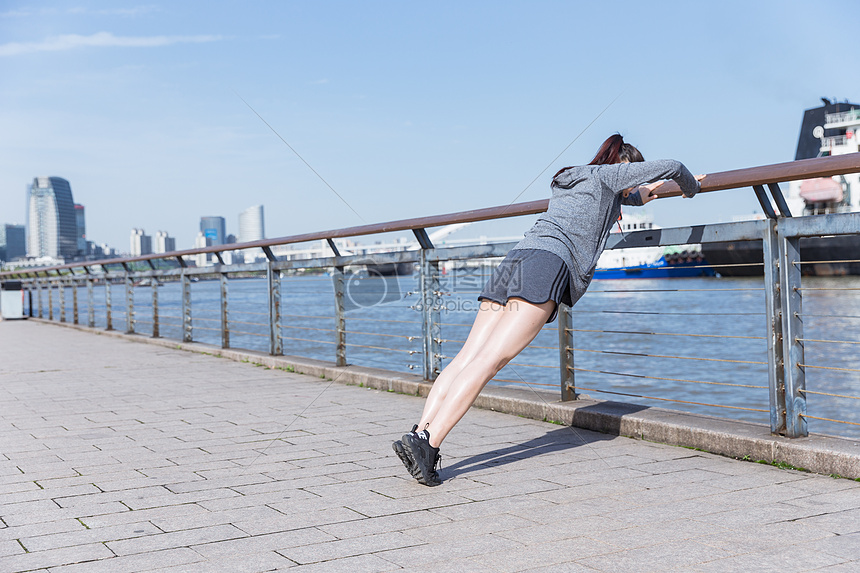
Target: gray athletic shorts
x=534, y=275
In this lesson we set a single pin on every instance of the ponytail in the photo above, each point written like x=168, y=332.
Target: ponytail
x=613, y=150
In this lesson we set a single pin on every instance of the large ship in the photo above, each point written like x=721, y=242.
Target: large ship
x=832, y=129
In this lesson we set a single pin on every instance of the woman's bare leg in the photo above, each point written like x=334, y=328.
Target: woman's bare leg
x=519, y=323
x=488, y=316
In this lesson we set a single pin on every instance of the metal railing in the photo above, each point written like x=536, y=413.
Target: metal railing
x=412, y=326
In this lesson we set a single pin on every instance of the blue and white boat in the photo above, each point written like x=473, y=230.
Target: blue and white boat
x=682, y=261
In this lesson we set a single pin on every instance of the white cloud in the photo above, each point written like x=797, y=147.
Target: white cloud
x=134, y=11
x=98, y=40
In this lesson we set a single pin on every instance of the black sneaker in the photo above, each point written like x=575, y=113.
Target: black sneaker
x=424, y=457
x=401, y=453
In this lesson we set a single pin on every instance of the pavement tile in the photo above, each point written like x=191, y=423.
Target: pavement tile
x=350, y=547
x=658, y=557
x=138, y=563
x=262, y=543
x=359, y=564
x=176, y=539
x=54, y=557
x=799, y=558
x=83, y=536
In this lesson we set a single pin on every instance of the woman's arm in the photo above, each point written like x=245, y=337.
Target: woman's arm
x=621, y=176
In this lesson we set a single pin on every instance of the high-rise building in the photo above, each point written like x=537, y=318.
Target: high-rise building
x=141, y=243
x=213, y=228
x=13, y=242
x=164, y=243
x=81, y=229
x=251, y=226
x=51, y=220
x=201, y=241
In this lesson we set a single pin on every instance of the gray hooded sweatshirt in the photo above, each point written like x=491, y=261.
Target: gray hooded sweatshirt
x=586, y=202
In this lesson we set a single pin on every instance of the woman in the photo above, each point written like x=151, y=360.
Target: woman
x=554, y=263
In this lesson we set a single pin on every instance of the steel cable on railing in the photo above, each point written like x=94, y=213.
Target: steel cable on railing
x=668, y=267
x=828, y=394
x=827, y=288
x=829, y=368
x=805, y=315
x=307, y=328
x=357, y=318
x=828, y=341
x=669, y=313
x=664, y=333
x=662, y=356
x=826, y=262
x=521, y=383
x=577, y=387
x=409, y=338
x=830, y=420
x=233, y=311
x=233, y=321
x=232, y=332
x=667, y=379
x=308, y=340
x=302, y=316
x=677, y=290
x=533, y=365
x=410, y=352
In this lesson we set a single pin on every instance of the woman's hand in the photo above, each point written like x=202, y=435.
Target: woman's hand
x=646, y=192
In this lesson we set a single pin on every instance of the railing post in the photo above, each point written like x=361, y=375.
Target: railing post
x=225, y=325
x=273, y=287
x=129, y=304
x=50, y=299
x=91, y=319
x=186, y=307
x=339, y=316
x=792, y=334
x=61, y=295
x=773, y=304
x=39, y=296
x=430, y=315
x=74, y=301
x=565, y=353
x=108, y=314
x=155, y=332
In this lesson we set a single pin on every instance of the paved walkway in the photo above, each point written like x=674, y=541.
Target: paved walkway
x=117, y=456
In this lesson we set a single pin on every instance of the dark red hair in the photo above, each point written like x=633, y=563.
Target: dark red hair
x=613, y=150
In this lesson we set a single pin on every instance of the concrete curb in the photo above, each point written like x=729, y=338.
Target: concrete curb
x=829, y=455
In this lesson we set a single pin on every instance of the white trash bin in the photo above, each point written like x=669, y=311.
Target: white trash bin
x=11, y=300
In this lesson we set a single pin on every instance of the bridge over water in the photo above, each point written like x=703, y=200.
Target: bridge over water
x=121, y=456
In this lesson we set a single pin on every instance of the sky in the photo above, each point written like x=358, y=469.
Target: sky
x=335, y=114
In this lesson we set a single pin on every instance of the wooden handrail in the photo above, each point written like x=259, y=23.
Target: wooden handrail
x=735, y=179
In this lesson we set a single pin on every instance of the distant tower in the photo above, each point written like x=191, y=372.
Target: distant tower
x=213, y=228
x=141, y=243
x=164, y=243
x=51, y=220
x=251, y=226
x=81, y=232
x=13, y=242
x=200, y=242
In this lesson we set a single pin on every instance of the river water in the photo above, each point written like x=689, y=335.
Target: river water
x=698, y=341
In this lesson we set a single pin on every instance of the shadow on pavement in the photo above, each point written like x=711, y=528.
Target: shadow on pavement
x=555, y=440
